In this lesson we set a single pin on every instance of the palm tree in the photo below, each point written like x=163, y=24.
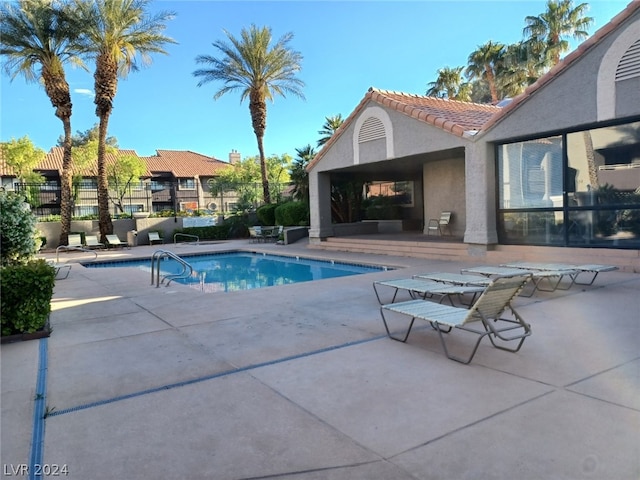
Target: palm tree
x=120, y=34
x=485, y=63
x=523, y=63
x=331, y=124
x=299, y=175
x=248, y=64
x=37, y=38
x=449, y=85
x=551, y=28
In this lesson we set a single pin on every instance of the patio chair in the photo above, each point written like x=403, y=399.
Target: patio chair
x=439, y=225
x=74, y=240
x=115, y=242
x=91, y=241
x=255, y=234
x=487, y=310
x=154, y=237
x=275, y=233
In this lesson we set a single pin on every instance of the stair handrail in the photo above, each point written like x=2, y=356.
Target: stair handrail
x=175, y=237
x=157, y=256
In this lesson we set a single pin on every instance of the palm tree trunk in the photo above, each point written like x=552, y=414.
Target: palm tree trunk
x=258, y=109
x=66, y=205
x=104, y=222
x=57, y=89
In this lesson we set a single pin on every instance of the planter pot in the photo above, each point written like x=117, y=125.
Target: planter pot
x=23, y=337
x=141, y=214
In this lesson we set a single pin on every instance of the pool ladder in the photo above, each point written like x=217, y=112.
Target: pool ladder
x=157, y=257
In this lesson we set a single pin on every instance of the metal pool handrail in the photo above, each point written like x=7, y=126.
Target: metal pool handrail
x=175, y=237
x=157, y=256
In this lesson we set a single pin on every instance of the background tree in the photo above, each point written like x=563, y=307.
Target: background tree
x=123, y=173
x=259, y=72
x=120, y=35
x=551, y=28
x=82, y=138
x=450, y=84
x=23, y=157
x=331, y=124
x=298, y=173
x=484, y=63
x=37, y=38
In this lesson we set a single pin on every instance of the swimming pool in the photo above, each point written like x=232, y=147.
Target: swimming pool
x=231, y=271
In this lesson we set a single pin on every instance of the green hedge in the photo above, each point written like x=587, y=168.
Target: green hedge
x=292, y=214
x=22, y=312
x=212, y=232
x=267, y=214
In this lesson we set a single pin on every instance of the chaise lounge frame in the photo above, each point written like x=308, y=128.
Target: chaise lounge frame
x=487, y=310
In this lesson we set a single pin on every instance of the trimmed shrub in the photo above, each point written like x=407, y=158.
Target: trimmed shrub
x=267, y=214
x=23, y=313
x=292, y=214
x=211, y=232
x=19, y=238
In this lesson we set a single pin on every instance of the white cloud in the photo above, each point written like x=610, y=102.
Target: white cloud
x=83, y=91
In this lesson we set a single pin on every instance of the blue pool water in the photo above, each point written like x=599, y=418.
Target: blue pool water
x=230, y=271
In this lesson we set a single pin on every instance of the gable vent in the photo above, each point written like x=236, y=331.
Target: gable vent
x=629, y=66
x=372, y=129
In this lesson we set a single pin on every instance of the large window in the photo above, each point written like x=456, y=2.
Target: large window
x=576, y=189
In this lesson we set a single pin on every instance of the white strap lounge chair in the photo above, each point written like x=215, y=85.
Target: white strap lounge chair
x=74, y=240
x=115, y=242
x=455, y=278
x=539, y=278
x=439, y=225
x=91, y=241
x=593, y=269
x=154, y=237
x=420, y=288
x=487, y=311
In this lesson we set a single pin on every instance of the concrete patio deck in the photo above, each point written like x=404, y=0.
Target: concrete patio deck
x=301, y=382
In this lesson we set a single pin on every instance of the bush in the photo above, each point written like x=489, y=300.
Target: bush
x=212, y=232
x=18, y=235
x=292, y=214
x=26, y=313
x=267, y=214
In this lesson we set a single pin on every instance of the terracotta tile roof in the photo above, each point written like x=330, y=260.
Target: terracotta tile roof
x=184, y=163
x=585, y=46
x=450, y=115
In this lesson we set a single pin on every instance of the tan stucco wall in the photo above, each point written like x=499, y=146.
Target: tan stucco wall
x=444, y=190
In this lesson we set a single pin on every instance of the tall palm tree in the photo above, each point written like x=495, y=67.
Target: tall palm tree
x=120, y=35
x=523, y=63
x=37, y=38
x=250, y=64
x=551, y=28
x=484, y=63
x=299, y=176
x=449, y=84
x=331, y=124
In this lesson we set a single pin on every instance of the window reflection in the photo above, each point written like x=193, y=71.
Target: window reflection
x=589, y=198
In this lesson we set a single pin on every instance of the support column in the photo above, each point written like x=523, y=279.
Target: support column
x=480, y=194
x=320, y=206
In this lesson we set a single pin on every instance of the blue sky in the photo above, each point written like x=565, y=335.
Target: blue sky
x=347, y=48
